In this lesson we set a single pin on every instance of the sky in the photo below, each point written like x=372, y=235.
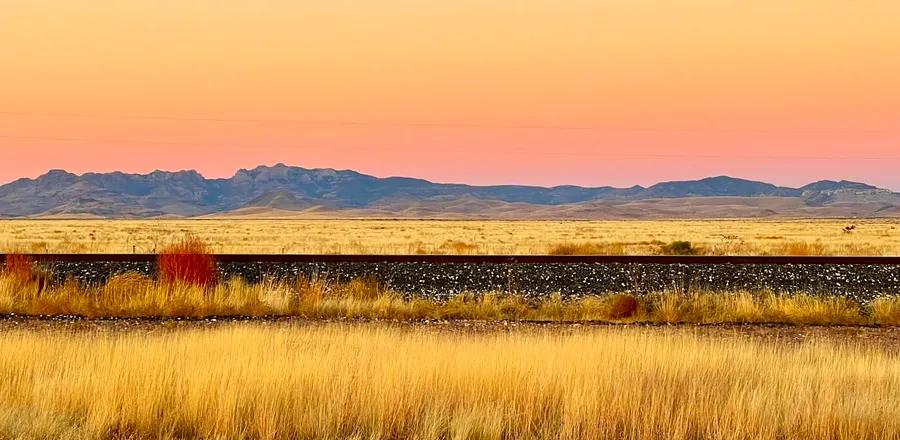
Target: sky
x=586, y=92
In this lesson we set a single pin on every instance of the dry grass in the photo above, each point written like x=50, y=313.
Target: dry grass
x=802, y=249
x=765, y=308
x=587, y=249
x=132, y=295
x=256, y=381
x=886, y=311
x=714, y=237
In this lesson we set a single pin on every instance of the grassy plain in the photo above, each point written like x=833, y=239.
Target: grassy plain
x=299, y=379
x=715, y=237
x=372, y=381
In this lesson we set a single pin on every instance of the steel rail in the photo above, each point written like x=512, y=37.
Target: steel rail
x=484, y=259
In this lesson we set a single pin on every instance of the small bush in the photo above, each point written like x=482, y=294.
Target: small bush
x=188, y=262
x=622, y=306
x=679, y=248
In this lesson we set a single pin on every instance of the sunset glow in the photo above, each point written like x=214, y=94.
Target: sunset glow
x=543, y=92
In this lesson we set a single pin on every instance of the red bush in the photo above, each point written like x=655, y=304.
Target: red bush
x=20, y=267
x=188, y=262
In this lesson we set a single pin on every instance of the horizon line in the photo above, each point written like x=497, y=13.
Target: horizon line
x=281, y=164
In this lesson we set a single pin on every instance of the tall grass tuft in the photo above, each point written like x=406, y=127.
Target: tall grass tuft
x=188, y=262
x=886, y=310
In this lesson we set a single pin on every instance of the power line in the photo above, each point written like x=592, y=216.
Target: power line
x=452, y=125
x=456, y=151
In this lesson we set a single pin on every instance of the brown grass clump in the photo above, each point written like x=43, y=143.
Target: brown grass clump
x=587, y=249
x=622, y=306
x=189, y=262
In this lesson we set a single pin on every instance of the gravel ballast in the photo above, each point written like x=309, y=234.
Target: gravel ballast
x=441, y=280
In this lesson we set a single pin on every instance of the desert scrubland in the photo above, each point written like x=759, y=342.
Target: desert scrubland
x=711, y=237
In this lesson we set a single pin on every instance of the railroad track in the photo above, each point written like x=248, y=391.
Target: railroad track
x=486, y=259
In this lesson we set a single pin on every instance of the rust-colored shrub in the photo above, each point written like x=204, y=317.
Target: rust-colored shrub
x=19, y=267
x=188, y=262
x=622, y=306
x=23, y=271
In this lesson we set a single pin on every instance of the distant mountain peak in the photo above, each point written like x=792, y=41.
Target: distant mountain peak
x=831, y=185
x=57, y=172
x=718, y=186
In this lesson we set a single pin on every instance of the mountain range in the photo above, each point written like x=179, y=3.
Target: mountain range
x=286, y=191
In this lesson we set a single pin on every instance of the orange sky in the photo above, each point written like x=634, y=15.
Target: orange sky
x=482, y=91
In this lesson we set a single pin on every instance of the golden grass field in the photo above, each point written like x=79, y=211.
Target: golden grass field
x=422, y=369
x=714, y=237
x=371, y=381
